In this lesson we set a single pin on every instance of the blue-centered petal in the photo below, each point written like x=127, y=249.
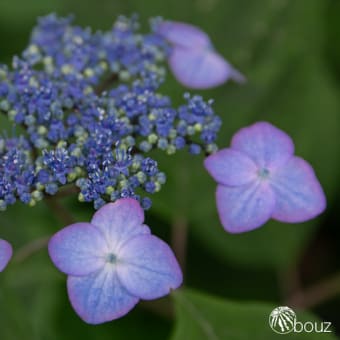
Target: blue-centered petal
x=148, y=268
x=120, y=221
x=268, y=146
x=99, y=297
x=78, y=249
x=299, y=195
x=245, y=207
x=230, y=167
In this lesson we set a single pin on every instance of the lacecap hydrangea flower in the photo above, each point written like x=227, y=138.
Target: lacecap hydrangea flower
x=260, y=178
x=193, y=60
x=5, y=254
x=89, y=106
x=113, y=262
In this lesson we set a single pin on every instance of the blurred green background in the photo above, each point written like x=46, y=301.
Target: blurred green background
x=289, y=51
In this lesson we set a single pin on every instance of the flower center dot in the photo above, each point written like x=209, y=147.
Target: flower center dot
x=111, y=258
x=263, y=173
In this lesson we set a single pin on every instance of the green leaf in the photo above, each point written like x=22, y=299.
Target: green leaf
x=204, y=317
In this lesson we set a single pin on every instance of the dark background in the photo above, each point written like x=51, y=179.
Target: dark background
x=289, y=51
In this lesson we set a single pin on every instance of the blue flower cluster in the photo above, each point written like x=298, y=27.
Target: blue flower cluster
x=16, y=172
x=89, y=111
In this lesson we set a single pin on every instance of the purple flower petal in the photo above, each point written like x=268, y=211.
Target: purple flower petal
x=231, y=167
x=245, y=207
x=201, y=69
x=120, y=221
x=299, y=196
x=148, y=268
x=267, y=145
x=5, y=254
x=182, y=34
x=78, y=249
x=99, y=297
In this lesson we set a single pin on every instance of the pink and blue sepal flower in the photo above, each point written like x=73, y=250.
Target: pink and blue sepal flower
x=113, y=262
x=259, y=178
x=193, y=59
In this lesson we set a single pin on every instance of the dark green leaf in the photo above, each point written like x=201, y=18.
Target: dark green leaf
x=203, y=317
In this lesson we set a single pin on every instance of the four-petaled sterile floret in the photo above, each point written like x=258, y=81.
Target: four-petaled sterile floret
x=113, y=262
x=260, y=178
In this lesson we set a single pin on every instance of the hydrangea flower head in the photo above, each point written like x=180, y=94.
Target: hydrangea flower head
x=5, y=254
x=260, y=178
x=113, y=262
x=91, y=109
x=193, y=60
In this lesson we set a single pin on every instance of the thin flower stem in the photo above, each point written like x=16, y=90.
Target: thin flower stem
x=34, y=246
x=30, y=248
x=289, y=282
x=67, y=191
x=179, y=240
x=316, y=294
x=59, y=210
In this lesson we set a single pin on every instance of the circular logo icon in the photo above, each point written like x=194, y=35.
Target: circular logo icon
x=282, y=320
